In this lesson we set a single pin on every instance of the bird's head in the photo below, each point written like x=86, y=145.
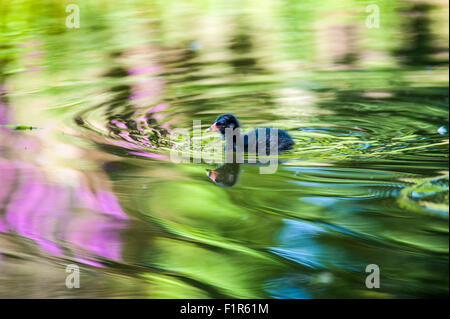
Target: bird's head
x=223, y=122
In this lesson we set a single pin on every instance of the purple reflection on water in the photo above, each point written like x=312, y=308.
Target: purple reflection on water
x=4, y=114
x=82, y=222
x=54, y=216
x=145, y=69
x=34, y=69
x=148, y=154
x=2, y=226
x=157, y=108
x=102, y=202
x=119, y=124
x=98, y=235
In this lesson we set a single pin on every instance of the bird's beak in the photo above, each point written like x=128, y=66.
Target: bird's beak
x=212, y=128
x=211, y=174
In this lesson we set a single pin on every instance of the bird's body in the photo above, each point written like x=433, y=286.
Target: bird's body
x=252, y=143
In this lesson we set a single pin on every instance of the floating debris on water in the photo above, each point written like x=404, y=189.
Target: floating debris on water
x=19, y=127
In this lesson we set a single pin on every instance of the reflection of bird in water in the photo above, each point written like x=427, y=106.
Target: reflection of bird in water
x=225, y=175
x=250, y=140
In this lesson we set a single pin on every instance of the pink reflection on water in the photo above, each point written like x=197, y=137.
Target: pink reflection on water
x=119, y=124
x=97, y=235
x=147, y=154
x=81, y=222
x=35, y=69
x=54, y=215
x=31, y=44
x=158, y=108
x=2, y=226
x=102, y=202
x=145, y=69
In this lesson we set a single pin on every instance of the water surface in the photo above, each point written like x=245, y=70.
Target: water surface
x=87, y=179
